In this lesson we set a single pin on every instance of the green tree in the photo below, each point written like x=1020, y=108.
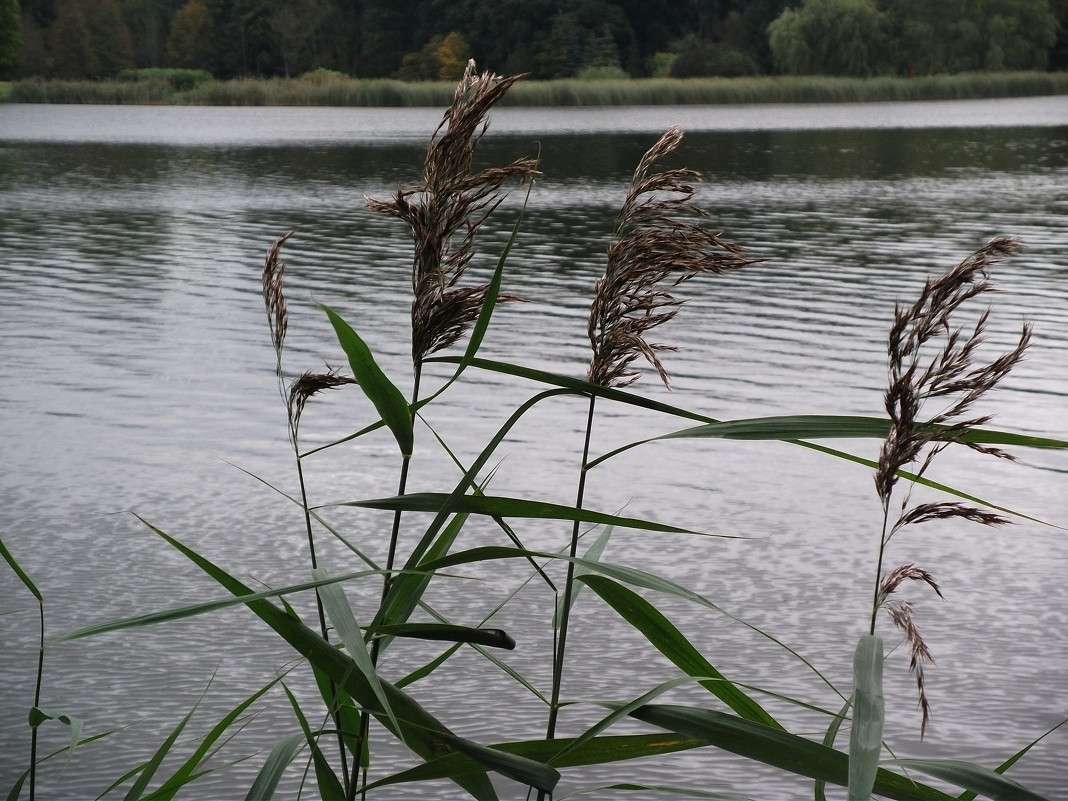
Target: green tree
x=90, y=40
x=936, y=36
x=189, y=43
x=10, y=37
x=831, y=37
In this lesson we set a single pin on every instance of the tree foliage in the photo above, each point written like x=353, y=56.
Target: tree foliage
x=10, y=37
x=432, y=39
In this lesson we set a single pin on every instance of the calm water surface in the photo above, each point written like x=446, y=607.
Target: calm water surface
x=136, y=375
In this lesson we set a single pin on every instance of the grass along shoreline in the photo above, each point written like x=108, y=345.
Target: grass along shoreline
x=331, y=90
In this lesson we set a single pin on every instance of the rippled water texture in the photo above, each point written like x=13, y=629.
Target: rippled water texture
x=136, y=375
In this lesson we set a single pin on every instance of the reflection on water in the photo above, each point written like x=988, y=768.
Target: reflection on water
x=135, y=361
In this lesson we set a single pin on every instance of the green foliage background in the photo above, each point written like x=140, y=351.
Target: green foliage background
x=547, y=39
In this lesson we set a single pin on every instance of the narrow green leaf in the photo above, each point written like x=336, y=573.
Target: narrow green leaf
x=387, y=399
x=826, y=426
x=266, y=781
x=599, y=751
x=494, y=638
x=669, y=641
x=778, y=748
x=592, y=554
x=971, y=777
x=866, y=737
x=497, y=506
x=39, y=716
x=330, y=788
x=23, y=576
x=188, y=771
x=819, y=790
x=670, y=789
x=149, y=769
x=341, y=616
x=527, y=771
x=207, y=606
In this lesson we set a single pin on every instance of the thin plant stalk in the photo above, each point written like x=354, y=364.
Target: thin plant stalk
x=651, y=246
x=560, y=644
x=295, y=396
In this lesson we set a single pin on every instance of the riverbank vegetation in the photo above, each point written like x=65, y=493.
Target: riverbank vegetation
x=544, y=39
x=449, y=529
x=187, y=87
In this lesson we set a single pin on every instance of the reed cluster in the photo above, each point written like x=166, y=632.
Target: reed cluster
x=663, y=240
x=336, y=90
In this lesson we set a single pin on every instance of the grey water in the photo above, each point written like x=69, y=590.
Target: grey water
x=137, y=376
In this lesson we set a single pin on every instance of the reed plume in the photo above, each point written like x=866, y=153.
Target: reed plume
x=447, y=210
x=934, y=363
x=652, y=246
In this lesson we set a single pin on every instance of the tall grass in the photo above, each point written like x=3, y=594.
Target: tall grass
x=336, y=90
x=662, y=242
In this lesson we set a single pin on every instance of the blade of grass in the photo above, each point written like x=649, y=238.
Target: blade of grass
x=970, y=777
x=777, y=748
x=497, y=506
x=494, y=638
x=387, y=399
x=671, y=642
x=599, y=751
x=282, y=754
x=330, y=788
x=866, y=737
x=344, y=621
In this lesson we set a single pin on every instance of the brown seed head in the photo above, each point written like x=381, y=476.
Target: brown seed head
x=652, y=247
x=447, y=210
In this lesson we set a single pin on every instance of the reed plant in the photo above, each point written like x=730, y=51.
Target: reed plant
x=366, y=690
x=337, y=90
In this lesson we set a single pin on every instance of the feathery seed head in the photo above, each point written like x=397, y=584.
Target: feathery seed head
x=274, y=299
x=652, y=246
x=447, y=210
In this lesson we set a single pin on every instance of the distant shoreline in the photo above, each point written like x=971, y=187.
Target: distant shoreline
x=340, y=91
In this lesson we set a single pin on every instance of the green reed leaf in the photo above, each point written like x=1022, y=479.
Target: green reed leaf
x=39, y=716
x=866, y=737
x=282, y=754
x=337, y=608
x=777, y=748
x=387, y=399
x=820, y=426
x=330, y=788
x=22, y=574
x=671, y=642
x=188, y=771
x=971, y=777
x=669, y=789
x=497, y=506
x=148, y=770
x=494, y=638
x=599, y=751
x=208, y=606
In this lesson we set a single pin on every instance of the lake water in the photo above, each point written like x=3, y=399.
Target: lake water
x=136, y=375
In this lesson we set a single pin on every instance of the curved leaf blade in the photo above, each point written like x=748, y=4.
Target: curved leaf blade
x=387, y=399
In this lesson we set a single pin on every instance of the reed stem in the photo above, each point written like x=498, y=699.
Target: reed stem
x=565, y=611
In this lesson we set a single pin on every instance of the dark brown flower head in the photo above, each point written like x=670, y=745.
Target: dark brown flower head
x=652, y=246
x=932, y=362
x=310, y=384
x=446, y=212
x=273, y=297
x=903, y=615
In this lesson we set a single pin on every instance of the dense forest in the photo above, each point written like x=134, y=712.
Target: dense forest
x=432, y=39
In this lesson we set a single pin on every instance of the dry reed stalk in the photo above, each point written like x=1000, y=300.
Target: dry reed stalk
x=933, y=362
x=446, y=212
x=651, y=247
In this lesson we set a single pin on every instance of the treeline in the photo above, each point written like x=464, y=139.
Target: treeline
x=432, y=39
